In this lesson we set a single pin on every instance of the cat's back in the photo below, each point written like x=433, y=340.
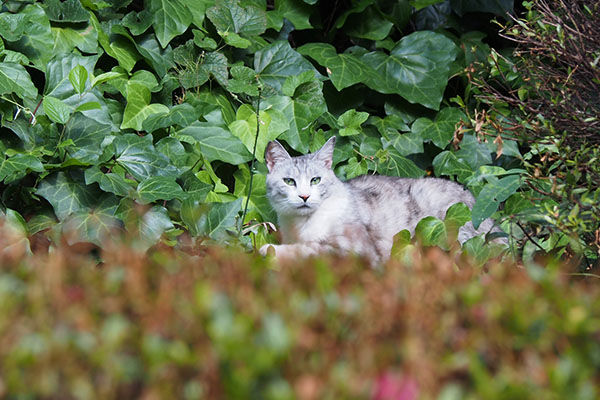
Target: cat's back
x=402, y=202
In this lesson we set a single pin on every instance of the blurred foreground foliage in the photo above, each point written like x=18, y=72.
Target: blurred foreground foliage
x=223, y=324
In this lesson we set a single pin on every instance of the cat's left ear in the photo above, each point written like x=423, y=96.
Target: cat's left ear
x=325, y=153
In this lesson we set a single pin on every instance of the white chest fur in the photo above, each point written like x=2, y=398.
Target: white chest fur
x=324, y=223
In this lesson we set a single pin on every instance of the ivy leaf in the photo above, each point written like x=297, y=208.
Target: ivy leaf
x=141, y=159
x=228, y=16
x=417, y=68
x=216, y=142
x=59, y=86
x=171, y=18
x=110, y=182
x=17, y=166
x=87, y=136
x=344, y=70
x=56, y=110
x=447, y=163
x=405, y=144
x=351, y=121
x=12, y=26
x=275, y=62
x=67, y=11
x=244, y=127
x=138, y=22
x=431, y=231
x=138, y=106
x=440, y=131
x=296, y=11
x=397, y=165
x=220, y=218
x=174, y=150
x=491, y=195
x=369, y=24
x=66, y=194
x=456, y=216
x=215, y=63
x=119, y=49
x=15, y=79
x=93, y=226
x=158, y=188
x=37, y=43
x=474, y=152
x=78, y=77
x=301, y=111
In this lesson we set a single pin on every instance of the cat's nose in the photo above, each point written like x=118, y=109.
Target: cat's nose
x=304, y=197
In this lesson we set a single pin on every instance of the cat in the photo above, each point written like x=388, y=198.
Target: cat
x=319, y=213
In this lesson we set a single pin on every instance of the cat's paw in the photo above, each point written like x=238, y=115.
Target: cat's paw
x=268, y=249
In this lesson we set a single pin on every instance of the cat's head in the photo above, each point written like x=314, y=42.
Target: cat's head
x=298, y=185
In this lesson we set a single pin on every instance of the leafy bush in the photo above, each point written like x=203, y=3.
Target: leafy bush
x=107, y=106
x=545, y=96
x=162, y=324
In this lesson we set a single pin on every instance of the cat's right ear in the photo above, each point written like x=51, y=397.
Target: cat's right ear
x=275, y=153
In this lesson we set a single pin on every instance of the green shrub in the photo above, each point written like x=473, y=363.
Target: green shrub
x=545, y=95
x=223, y=324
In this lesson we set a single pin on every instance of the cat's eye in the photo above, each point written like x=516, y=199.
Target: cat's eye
x=289, y=181
x=315, y=180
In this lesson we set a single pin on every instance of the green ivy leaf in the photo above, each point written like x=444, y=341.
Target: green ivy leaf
x=37, y=44
x=397, y=165
x=15, y=79
x=12, y=26
x=93, y=226
x=138, y=106
x=120, y=49
x=440, y=131
x=220, y=218
x=216, y=142
x=228, y=16
x=17, y=166
x=140, y=158
x=67, y=11
x=351, y=121
x=110, y=182
x=244, y=127
x=275, y=62
x=56, y=110
x=66, y=194
x=491, y=195
x=344, y=70
x=296, y=11
x=474, y=152
x=158, y=188
x=417, y=68
x=171, y=18
x=78, y=77
x=456, y=216
x=138, y=22
x=431, y=231
x=369, y=24
x=87, y=136
x=447, y=163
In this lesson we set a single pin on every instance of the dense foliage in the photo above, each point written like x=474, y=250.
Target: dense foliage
x=224, y=325
x=546, y=97
x=109, y=105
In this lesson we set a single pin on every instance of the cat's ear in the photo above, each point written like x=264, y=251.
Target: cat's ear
x=275, y=153
x=325, y=153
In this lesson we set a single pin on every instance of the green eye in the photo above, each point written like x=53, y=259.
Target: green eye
x=289, y=181
x=315, y=180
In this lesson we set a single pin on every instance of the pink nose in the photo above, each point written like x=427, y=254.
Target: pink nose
x=304, y=197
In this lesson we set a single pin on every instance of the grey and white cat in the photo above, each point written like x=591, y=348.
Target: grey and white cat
x=319, y=213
